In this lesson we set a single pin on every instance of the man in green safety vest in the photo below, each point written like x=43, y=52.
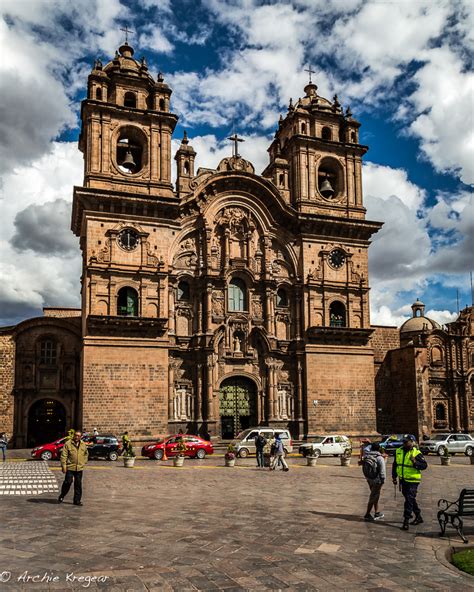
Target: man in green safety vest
x=407, y=467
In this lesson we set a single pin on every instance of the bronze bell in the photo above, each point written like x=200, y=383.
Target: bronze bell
x=326, y=189
x=128, y=161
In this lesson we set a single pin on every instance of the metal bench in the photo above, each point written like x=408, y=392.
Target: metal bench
x=453, y=512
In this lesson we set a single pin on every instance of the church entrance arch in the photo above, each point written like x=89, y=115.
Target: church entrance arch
x=238, y=405
x=46, y=422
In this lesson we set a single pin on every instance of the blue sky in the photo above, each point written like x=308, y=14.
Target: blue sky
x=402, y=66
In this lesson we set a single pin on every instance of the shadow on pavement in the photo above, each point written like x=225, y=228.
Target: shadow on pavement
x=355, y=518
x=36, y=500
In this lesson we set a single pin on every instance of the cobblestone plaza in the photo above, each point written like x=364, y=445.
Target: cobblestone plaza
x=208, y=527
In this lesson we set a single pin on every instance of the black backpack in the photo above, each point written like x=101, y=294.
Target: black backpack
x=370, y=467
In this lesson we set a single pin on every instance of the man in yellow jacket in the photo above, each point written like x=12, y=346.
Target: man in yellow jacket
x=74, y=457
x=407, y=467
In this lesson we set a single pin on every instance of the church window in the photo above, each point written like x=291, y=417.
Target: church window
x=130, y=150
x=440, y=412
x=130, y=100
x=353, y=137
x=237, y=295
x=186, y=167
x=337, y=314
x=303, y=128
x=326, y=133
x=48, y=352
x=281, y=180
x=282, y=297
x=436, y=356
x=330, y=178
x=98, y=94
x=127, y=302
x=162, y=104
x=183, y=291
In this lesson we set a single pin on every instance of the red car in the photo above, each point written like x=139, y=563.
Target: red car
x=49, y=451
x=196, y=447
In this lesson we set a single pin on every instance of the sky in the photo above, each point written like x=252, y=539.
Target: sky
x=403, y=66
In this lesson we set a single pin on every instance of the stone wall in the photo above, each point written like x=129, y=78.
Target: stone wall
x=396, y=388
x=7, y=382
x=61, y=312
x=341, y=380
x=384, y=339
x=125, y=389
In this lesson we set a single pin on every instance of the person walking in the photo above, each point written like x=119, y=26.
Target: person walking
x=260, y=443
x=3, y=445
x=373, y=467
x=407, y=467
x=126, y=443
x=74, y=457
x=279, y=455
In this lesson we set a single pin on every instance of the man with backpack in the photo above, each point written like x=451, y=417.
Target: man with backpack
x=373, y=467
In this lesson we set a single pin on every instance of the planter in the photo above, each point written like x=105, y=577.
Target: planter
x=128, y=461
x=230, y=462
x=345, y=461
x=311, y=461
x=178, y=461
x=445, y=461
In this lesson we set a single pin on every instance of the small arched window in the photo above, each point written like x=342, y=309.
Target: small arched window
x=303, y=128
x=337, y=314
x=436, y=356
x=440, y=412
x=237, y=295
x=162, y=104
x=183, y=291
x=127, y=302
x=353, y=137
x=130, y=100
x=98, y=94
x=282, y=297
x=326, y=133
x=48, y=352
x=186, y=167
x=281, y=180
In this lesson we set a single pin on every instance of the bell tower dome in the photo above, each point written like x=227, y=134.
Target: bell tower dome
x=127, y=127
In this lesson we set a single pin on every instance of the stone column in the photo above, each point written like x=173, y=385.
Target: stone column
x=198, y=410
x=209, y=390
x=208, y=307
x=170, y=389
x=171, y=312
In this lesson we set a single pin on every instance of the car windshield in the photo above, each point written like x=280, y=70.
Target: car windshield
x=440, y=437
x=243, y=434
x=317, y=439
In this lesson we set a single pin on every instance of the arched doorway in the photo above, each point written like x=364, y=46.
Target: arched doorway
x=46, y=422
x=238, y=405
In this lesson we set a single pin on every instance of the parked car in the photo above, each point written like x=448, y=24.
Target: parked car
x=390, y=443
x=104, y=446
x=49, y=451
x=453, y=443
x=196, y=447
x=245, y=441
x=332, y=445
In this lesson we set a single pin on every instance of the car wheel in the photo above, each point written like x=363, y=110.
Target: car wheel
x=316, y=452
x=243, y=453
x=441, y=451
x=46, y=455
x=469, y=451
x=113, y=455
x=201, y=453
x=158, y=454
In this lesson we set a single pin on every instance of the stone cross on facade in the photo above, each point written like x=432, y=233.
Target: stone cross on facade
x=126, y=30
x=235, y=150
x=308, y=69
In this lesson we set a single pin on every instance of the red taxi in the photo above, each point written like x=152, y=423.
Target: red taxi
x=49, y=451
x=196, y=447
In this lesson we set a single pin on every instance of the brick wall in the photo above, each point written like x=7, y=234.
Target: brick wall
x=125, y=389
x=342, y=381
x=384, y=339
x=7, y=381
x=396, y=393
x=61, y=313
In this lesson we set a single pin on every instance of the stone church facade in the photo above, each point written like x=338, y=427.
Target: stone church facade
x=227, y=300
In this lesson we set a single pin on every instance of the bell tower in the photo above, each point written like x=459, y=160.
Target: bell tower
x=127, y=127
x=317, y=156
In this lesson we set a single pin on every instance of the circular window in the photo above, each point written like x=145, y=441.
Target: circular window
x=337, y=258
x=128, y=239
x=130, y=151
x=330, y=179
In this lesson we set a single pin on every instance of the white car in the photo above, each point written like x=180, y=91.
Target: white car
x=332, y=445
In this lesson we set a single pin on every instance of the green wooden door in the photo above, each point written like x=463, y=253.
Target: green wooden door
x=237, y=406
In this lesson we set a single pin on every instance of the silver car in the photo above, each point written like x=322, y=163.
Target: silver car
x=453, y=443
x=245, y=442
